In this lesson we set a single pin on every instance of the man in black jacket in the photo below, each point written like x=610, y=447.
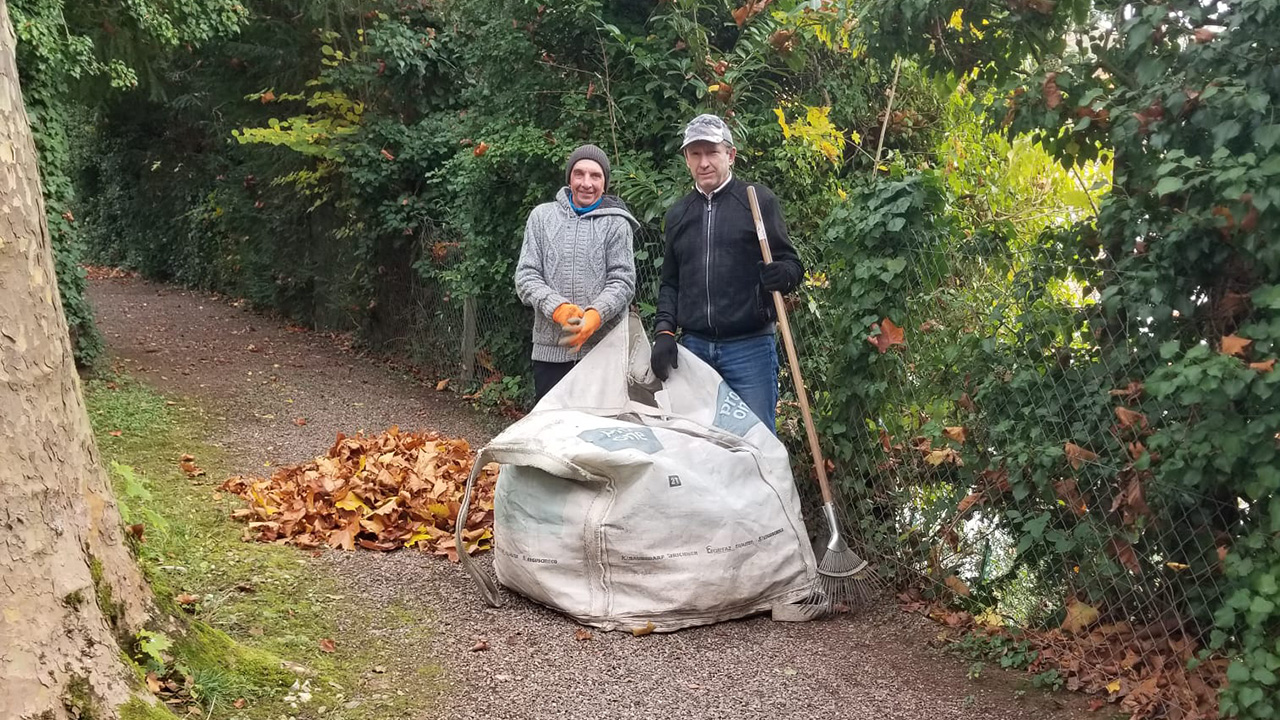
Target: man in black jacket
x=715, y=284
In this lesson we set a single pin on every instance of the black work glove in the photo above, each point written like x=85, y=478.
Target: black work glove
x=774, y=278
x=664, y=355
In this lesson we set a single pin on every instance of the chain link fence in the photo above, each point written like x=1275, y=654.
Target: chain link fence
x=1011, y=464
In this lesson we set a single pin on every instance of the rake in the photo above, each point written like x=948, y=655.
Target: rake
x=845, y=581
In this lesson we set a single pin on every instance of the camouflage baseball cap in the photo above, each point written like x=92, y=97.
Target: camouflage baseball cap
x=707, y=127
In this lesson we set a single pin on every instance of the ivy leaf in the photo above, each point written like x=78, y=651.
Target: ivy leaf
x=1223, y=132
x=153, y=645
x=1267, y=296
x=1267, y=136
x=1168, y=184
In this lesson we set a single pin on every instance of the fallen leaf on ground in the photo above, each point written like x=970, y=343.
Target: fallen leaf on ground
x=990, y=618
x=115, y=433
x=326, y=645
x=1079, y=617
x=190, y=468
x=299, y=421
x=956, y=585
x=442, y=384
x=480, y=646
x=238, y=704
x=582, y=634
x=187, y=599
x=380, y=492
x=640, y=631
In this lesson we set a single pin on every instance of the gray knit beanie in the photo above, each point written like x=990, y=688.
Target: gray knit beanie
x=587, y=152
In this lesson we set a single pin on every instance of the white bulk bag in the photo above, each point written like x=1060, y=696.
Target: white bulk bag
x=621, y=502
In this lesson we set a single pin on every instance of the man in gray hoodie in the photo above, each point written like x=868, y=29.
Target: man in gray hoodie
x=577, y=267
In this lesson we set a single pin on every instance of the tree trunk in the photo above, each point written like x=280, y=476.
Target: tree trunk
x=70, y=593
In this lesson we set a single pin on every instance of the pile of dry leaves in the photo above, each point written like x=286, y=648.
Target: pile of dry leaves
x=1141, y=670
x=382, y=492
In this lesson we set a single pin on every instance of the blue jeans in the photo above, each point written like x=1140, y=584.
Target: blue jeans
x=749, y=366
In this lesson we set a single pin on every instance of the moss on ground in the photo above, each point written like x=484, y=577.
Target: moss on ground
x=262, y=609
x=139, y=709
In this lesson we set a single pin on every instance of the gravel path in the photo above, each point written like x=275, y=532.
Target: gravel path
x=257, y=375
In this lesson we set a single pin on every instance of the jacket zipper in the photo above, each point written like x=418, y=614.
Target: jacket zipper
x=710, y=221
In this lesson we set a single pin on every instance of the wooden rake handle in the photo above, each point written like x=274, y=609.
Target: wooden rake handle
x=819, y=465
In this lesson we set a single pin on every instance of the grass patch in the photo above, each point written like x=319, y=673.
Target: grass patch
x=261, y=610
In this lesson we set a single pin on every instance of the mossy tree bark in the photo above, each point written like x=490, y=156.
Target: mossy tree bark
x=70, y=592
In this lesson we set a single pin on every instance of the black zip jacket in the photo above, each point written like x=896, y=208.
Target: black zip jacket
x=711, y=271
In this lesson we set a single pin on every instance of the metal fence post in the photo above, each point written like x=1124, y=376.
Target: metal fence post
x=468, y=340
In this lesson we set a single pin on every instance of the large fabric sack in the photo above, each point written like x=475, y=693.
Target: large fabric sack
x=624, y=501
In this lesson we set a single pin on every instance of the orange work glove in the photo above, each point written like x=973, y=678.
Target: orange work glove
x=565, y=312
x=575, y=336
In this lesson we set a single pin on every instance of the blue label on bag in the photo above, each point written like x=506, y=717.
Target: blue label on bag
x=732, y=413
x=623, y=438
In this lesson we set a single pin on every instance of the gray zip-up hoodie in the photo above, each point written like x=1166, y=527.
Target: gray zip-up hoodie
x=586, y=260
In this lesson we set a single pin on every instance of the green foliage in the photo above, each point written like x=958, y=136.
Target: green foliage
x=71, y=55
x=1070, y=224
x=1048, y=680
x=1009, y=651
x=1155, y=307
x=152, y=647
